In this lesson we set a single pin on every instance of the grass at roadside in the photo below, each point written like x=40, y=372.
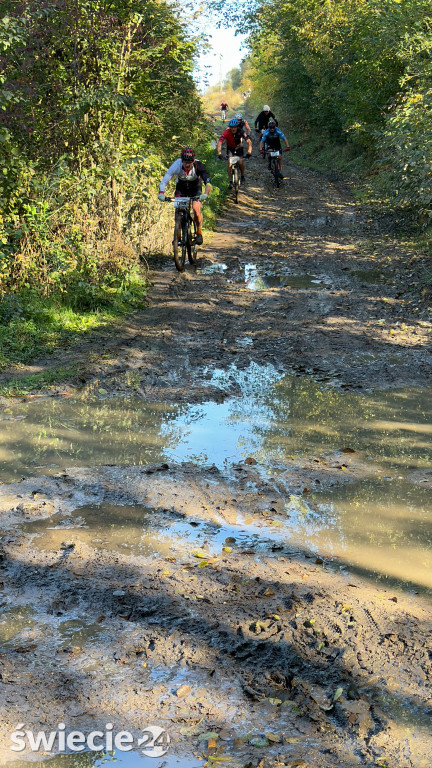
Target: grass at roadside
x=19, y=387
x=32, y=326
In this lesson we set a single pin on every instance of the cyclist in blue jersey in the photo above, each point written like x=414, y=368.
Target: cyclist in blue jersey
x=271, y=139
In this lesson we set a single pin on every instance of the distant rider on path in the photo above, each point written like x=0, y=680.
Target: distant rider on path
x=190, y=175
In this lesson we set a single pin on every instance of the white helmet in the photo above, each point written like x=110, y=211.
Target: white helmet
x=239, y=116
x=266, y=108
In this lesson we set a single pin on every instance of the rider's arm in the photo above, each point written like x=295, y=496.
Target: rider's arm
x=249, y=144
x=282, y=136
x=173, y=170
x=203, y=172
x=219, y=146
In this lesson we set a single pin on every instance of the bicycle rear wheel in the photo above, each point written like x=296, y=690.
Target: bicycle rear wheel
x=179, y=247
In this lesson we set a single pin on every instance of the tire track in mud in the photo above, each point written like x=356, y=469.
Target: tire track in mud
x=250, y=627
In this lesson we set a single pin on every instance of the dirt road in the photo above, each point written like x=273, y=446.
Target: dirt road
x=243, y=646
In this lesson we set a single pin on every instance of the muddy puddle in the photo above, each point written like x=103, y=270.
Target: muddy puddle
x=333, y=221
x=14, y=620
x=352, y=468
x=371, y=276
x=139, y=530
x=261, y=278
x=132, y=759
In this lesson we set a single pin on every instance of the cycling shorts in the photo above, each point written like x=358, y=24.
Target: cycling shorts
x=274, y=143
x=187, y=188
x=237, y=151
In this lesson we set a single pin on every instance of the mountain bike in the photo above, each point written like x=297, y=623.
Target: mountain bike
x=273, y=156
x=223, y=115
x=184, y=240
x=235, y=178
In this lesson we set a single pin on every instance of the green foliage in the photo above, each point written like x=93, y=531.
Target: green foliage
x=31, y=326
x=406, y=153
x=234, y=79
x=96, y=96
x=356, y=71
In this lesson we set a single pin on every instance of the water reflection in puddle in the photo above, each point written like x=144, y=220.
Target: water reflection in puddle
x=212, y=269
x=13, y=620
x=380, y=524
x=123, y=759
x=77, y=632
x=259, y=279
x=372, y=276
x=138, y=530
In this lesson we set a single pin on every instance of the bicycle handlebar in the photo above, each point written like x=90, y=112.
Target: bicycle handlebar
x=171, y=199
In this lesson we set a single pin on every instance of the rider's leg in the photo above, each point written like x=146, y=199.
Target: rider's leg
x=196, y=205
x=280, y=164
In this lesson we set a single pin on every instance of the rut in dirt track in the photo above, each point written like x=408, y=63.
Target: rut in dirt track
x=284, y=279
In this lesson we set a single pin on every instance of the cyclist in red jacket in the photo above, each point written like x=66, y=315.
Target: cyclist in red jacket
x=234, y=138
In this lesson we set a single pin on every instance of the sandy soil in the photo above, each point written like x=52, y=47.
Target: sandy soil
x=268, y=639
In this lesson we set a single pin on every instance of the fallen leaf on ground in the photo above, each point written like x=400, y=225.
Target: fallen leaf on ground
x=184, y=690
x=273, y=737
x=208, y=735
x=338, y=694
x=259, y=741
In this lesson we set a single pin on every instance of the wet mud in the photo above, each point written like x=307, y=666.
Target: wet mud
x=204, y=582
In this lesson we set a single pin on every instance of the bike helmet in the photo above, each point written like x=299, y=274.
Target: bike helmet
x=188, y=154
x=271, y=123
x=233, y=123
x=239, y=116
x=266, y=108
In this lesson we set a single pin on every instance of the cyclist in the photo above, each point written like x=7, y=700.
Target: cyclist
x=233, y=139
x=263, y=118
x=190, y=175
x=224, y=110
x=271, y=139
x=243, y=124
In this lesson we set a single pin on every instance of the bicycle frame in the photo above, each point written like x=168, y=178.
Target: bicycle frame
x=274, y=155
x=233, y=161
x=184, y=240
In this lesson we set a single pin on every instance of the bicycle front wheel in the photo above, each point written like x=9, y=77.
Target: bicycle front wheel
x=236, y=184
x=192, y=247
x=179, y=246
x=275, y=171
